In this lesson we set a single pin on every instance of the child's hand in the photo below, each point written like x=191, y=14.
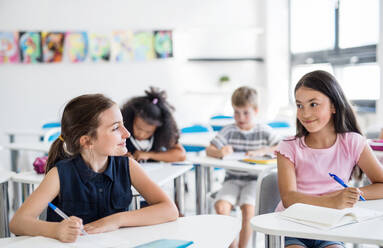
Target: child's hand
x=106, y=224
x=226, y=150
x=68, y=230
x=346, y=198
x=140, y=155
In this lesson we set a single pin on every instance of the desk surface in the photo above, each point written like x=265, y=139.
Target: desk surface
x=367, y=232
x=26, y=132
x=32, y=146
x=6, y=175
x=194, y=228
x=229, y=164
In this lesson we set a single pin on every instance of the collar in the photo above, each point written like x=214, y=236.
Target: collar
x=87, y=173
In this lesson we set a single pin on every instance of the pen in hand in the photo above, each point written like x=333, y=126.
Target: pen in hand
x=63, y=215
x=340, y=181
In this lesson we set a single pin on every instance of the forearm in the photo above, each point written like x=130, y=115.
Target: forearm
x=373, y=191
x=172, y=155
x=297, y=197
x=154, y=214
x=33, y=227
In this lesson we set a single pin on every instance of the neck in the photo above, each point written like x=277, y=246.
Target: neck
x=324, y=138
x=96, y=162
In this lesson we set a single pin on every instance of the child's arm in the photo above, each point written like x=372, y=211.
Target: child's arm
x=213, y=151
x=26, y=222
x=374, y=171
x=262, y=151
x=289, y=195
x=174, y=154
x=161, y=208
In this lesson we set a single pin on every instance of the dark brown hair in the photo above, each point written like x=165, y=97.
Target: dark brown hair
x=154, y=110
x=80, y=117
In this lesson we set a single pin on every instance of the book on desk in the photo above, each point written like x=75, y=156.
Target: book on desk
x=242, y=157
x=169, y=243
x=327, y=218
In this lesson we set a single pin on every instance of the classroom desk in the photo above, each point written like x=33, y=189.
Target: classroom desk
x=160, y=173
x=203, y=168
x=205, y=231
x=24, y=132
x=367, y=232
x=5, y=176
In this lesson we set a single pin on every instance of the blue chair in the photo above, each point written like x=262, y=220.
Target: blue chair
x=52, y=134
x=278, y=124
x=220, y=117
x=194, y=129
x=51, y=125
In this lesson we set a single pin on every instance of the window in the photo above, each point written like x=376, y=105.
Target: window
x=338, y=36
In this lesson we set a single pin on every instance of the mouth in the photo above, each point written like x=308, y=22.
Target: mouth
x=308, y=121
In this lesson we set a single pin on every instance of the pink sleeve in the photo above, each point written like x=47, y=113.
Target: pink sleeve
x=287, y=149
x=357, y=142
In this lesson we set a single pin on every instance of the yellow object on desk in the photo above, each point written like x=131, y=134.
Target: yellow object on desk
x=259, y=160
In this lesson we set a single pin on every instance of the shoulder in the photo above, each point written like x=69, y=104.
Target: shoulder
x=261, y=127
x=232, y=128
x=352, y=141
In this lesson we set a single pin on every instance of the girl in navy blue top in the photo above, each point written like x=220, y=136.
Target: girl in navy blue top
x=154, y=132
x=89, y=178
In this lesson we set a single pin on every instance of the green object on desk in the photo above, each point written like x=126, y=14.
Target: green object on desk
x=169, y=243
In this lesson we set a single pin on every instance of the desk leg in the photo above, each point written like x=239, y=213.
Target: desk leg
x=16, y=202
x=179, y=194
x=4, y=211
x=209, y=187
x=26, y=191
x=136, y=202
x=200, y=184
x=272, y=241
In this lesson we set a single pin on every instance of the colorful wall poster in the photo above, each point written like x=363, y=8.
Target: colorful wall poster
x=30, y=47
x=99, y=47
x=163, y=45
x=76, y=46
x=143, y=46
x=122, y=46
x=53, y=46
x=9, y=50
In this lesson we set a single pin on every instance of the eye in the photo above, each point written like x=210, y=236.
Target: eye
x=115, y=127
x=299, y=105
x=313, y=104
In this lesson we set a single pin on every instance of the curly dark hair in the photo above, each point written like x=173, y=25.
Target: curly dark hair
x=154, y=110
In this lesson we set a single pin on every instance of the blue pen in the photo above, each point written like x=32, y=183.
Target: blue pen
x=340, y=181
x=62, y=214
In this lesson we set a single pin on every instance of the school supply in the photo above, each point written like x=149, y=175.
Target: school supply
x=376, y=144
x=169, y=243
x=340, y=181
x=63, y=215
x=327, y=218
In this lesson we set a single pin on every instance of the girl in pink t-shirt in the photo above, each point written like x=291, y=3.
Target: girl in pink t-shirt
x=328, y=140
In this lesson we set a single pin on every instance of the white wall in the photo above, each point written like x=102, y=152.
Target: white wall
x=33, y=94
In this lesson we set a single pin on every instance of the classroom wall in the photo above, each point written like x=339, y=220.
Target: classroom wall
x=36, y=93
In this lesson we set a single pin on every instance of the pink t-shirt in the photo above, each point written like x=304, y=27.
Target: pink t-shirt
x=313, y=165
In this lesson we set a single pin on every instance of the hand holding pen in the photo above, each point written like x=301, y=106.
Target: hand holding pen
x=340, y=181
x=68, y=230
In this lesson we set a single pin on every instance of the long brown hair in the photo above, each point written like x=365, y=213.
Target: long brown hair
x=80, y=117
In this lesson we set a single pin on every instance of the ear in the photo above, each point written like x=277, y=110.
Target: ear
x=255, y=110
x=333, y=110
x=85, y=141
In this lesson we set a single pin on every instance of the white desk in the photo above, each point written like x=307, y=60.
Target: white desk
x=205, y=231
x=368, y=232
x=203, y=164
x=160, y=173
x=25, y=132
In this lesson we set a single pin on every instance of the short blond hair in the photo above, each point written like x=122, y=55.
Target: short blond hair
x=244, y=96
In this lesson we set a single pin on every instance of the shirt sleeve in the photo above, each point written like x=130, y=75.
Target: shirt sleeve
x=221, y=139
x=287, y=149
x=357, y=143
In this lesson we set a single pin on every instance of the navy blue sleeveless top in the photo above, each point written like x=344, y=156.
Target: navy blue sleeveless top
x=90, y=195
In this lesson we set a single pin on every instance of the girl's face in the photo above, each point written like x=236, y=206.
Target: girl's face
x=111, y=134
x=314, y=109
x=142, y=130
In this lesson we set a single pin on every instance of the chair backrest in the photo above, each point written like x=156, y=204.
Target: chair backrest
x=52, y=134
x=217, y=122
x=278, y=124
x=267, y=197
x=197, y=128
x=51, y=125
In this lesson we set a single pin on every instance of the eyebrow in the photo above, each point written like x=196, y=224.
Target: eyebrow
x=312, y=99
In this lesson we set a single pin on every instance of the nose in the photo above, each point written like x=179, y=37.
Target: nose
x=305, y=112
x=125, y=133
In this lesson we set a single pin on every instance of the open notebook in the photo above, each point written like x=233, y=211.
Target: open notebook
x=241, y=156
x=327, y=218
